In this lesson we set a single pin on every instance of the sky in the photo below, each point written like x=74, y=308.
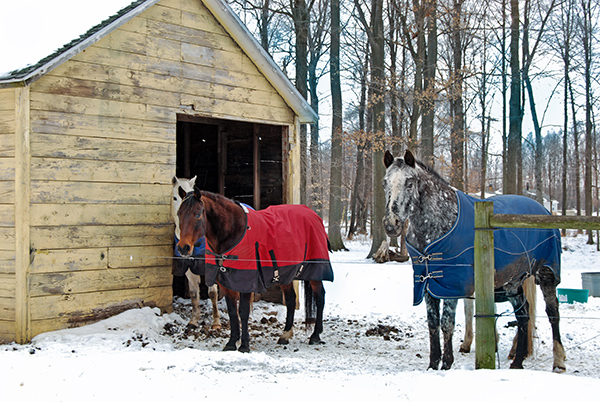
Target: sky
x=32, y=29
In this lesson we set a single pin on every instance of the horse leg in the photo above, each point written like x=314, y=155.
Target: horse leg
x=465, y=346
x=447, y=324
x=529, y=290
x=231, y=298
x=213, y=294
x=245, y=302
x=290, y=302
x=433, y=322
x=548, y=285
x=194, y=292
x=521, y=307
x=319, y=294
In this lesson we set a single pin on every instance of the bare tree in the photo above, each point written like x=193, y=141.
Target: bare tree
x=513, y=154
x=335, y=186
x=588, y=15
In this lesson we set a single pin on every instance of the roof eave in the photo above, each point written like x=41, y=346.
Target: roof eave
x=232, y=24
x=34, y=75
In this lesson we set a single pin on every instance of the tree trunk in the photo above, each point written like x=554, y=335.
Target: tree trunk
x=505, y=179
x=429, y=91
x=513, y=153
x=301, y=27
x=378, y=82
x=587, y=50
x=264, y=25
x=335, y=186
x=457, y=134
x=577, y=169
x=538, y=144
x=566, y=56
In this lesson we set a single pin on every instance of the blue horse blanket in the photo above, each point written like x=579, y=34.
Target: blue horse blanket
x=445, y=267
x=195, y=262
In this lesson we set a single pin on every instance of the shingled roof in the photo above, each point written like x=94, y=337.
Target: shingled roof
x=220, y=10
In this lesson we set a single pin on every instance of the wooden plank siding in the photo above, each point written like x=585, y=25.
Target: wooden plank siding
x=102, y=151
x=7, y=215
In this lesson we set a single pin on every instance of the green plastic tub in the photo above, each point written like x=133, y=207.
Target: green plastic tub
x=572, y=295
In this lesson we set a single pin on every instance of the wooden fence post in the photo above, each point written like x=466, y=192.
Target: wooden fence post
x=485, y=327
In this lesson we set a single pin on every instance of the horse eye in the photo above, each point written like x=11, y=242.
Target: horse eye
x=198, y=216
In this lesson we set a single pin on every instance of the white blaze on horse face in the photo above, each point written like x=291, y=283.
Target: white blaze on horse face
x=186, y=185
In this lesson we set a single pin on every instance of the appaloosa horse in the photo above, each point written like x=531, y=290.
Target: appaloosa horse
x=184, y=266
x=440, y=242
x=247, y=250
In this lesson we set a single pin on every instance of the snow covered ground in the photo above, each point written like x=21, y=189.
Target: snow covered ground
x=376, y=347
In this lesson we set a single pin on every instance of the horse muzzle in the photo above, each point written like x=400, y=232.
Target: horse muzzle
x=185, y=250
x=393, y=226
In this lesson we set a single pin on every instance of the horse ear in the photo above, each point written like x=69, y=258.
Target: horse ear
x=409, y=159
x=193, y=181
x=388, y=159
x=197, y=193
x=174, y=180
x=181, y=192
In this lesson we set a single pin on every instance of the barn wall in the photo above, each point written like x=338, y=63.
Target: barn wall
x=7, y=213
x=103, y=131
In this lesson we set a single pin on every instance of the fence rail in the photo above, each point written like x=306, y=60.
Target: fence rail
x=485, y=223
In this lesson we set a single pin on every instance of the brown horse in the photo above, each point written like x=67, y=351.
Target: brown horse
x=225, y=223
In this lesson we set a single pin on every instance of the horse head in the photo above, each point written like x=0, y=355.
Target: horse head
x=180, y=188
x=192, y=222
x=401, y=185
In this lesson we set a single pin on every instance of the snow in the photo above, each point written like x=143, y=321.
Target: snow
x=376, y=347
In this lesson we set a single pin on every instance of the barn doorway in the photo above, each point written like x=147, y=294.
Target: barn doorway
x=246, y=162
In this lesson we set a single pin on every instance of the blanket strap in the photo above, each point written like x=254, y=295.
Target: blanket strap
x=275, y=268
x=220, y=258
x=430, y=257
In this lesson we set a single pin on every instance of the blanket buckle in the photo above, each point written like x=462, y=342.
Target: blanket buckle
x=429, y=257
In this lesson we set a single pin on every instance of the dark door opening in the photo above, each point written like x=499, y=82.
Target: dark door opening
x=246, y=162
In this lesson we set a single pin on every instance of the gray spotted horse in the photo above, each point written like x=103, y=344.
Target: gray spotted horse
x=440, y=241
x=185, y=265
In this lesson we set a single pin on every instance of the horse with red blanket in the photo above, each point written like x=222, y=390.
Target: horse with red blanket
x=247, y=251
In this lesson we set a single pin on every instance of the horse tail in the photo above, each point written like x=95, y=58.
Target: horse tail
x=310, y=304
x=530, y=292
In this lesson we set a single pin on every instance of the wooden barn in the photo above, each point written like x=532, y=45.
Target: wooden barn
x=92, y=135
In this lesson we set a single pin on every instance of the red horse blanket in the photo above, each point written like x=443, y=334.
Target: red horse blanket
x=281, y=243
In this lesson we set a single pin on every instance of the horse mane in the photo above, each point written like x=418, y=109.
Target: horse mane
x=432, y=172
x=428, y=169
x=218, y=198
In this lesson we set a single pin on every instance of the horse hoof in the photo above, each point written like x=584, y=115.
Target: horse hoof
x=229, y=347
x=191, y=328
x=216, y=327
x=559, y=369
x=282, y=341
x=316, y=341
x=464, y=350
x=244, y=349
x=516, y=366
